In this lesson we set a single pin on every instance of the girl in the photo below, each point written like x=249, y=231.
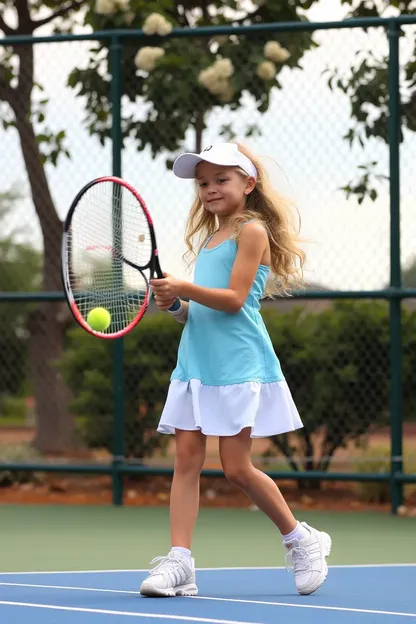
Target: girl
x=228, y=381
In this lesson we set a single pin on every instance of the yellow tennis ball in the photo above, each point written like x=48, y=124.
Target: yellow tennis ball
x=99, y=319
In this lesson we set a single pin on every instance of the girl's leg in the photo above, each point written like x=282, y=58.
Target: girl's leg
x=306, y=547
x=175, y=574
x=184, y=496
x=236, y=461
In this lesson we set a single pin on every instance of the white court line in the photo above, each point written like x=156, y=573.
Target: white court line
x=237, y=600
x=159, y=616
x=301, y=606
x=337, y=566
x=87, y=589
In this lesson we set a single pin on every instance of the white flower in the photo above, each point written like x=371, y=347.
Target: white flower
x=156, y=24
x=216, y=79
x=206, y=76
x=150, y=24
x=224, y=68
x=228, y=94
x=165, y=28
x=147, y=57
x=212, y=81
x=105, y=7
x=216, y=83
x=122, y=5
x=274, y=51
x=266, y=70
x=220, y=86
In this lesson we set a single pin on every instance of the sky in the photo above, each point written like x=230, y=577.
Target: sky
x=347, y=244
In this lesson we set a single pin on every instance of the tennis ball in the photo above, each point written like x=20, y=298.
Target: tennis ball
x=99, y=319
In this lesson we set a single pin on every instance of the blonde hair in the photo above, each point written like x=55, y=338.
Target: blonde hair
x=267, y=207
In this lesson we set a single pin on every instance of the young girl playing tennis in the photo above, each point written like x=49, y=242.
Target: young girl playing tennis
x=228, y=381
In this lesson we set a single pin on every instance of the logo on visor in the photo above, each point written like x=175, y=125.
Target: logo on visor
x=207, y=148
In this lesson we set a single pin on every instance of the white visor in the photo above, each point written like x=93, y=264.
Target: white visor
x=225, y=154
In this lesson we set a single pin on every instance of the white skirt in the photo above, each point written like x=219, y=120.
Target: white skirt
x=268, y=408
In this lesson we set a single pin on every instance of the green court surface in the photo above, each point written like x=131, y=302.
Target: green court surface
x=57, y=538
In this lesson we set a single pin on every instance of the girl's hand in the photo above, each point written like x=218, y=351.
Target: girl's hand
x=164, y=303
x=166, y=289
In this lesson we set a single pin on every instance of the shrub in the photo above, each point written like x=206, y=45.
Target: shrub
x=22, y=454
x=148, y=359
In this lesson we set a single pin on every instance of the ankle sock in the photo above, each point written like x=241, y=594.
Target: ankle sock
x=298, y=533
x=184, y=551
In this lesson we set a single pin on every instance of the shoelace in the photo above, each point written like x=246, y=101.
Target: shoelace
x=164, y=560
x=298, y=558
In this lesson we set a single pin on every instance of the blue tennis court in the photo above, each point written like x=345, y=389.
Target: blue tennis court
x=359, y=594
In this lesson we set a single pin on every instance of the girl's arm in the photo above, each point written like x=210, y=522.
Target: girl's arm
x=252, y=244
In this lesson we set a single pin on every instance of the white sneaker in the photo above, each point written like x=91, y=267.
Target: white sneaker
x=173, y=576
x=307, y=556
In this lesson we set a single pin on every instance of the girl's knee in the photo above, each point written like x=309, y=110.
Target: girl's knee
x=238, y=474
x=190, y=453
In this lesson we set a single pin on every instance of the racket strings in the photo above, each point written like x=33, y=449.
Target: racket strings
x=107, y=226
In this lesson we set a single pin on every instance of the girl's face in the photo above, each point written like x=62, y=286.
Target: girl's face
x=222, y=190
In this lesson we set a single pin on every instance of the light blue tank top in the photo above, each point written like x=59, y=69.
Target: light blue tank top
x=221, y=348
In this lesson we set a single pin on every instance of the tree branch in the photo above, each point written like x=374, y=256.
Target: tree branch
x=25, y=21
x=7, y=94
x=5, y=27
x=62, y=12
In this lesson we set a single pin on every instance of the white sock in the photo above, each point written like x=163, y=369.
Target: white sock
x=298, y=533
x=184, y=551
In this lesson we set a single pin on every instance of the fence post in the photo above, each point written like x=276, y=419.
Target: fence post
x=396, y=377
x=115, y=57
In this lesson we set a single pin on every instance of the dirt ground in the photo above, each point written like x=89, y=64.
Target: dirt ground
x=215, y=492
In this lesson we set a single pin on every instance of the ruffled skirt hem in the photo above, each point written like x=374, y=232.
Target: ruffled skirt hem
x=267, y=408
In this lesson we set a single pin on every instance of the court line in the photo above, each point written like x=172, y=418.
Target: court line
x=220, y=569
x=159, y=616
x=66, y=588
x=212, y=598
x=301, y=606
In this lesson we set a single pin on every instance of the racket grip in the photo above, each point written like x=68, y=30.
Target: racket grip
x=175, y=306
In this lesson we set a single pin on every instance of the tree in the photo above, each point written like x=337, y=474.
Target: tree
x=367, y=89
x=177, y=89
x=177, y=98
x=25, y=107
x=149, y=358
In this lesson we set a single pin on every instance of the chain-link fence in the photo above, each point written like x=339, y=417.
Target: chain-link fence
x=299, y=94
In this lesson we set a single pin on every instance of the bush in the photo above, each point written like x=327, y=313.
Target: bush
x=377, y=460
x=149, y=357
x=22, y=454
x=13, y=409
x=337, y=365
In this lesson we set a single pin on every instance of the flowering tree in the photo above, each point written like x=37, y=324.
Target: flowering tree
x=180, y=80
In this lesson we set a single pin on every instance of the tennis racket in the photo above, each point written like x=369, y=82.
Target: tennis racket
x=108, y=244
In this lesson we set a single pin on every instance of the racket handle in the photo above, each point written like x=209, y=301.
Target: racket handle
x=175, y=306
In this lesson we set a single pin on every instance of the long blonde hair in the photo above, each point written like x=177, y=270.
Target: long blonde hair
x=267, y=207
